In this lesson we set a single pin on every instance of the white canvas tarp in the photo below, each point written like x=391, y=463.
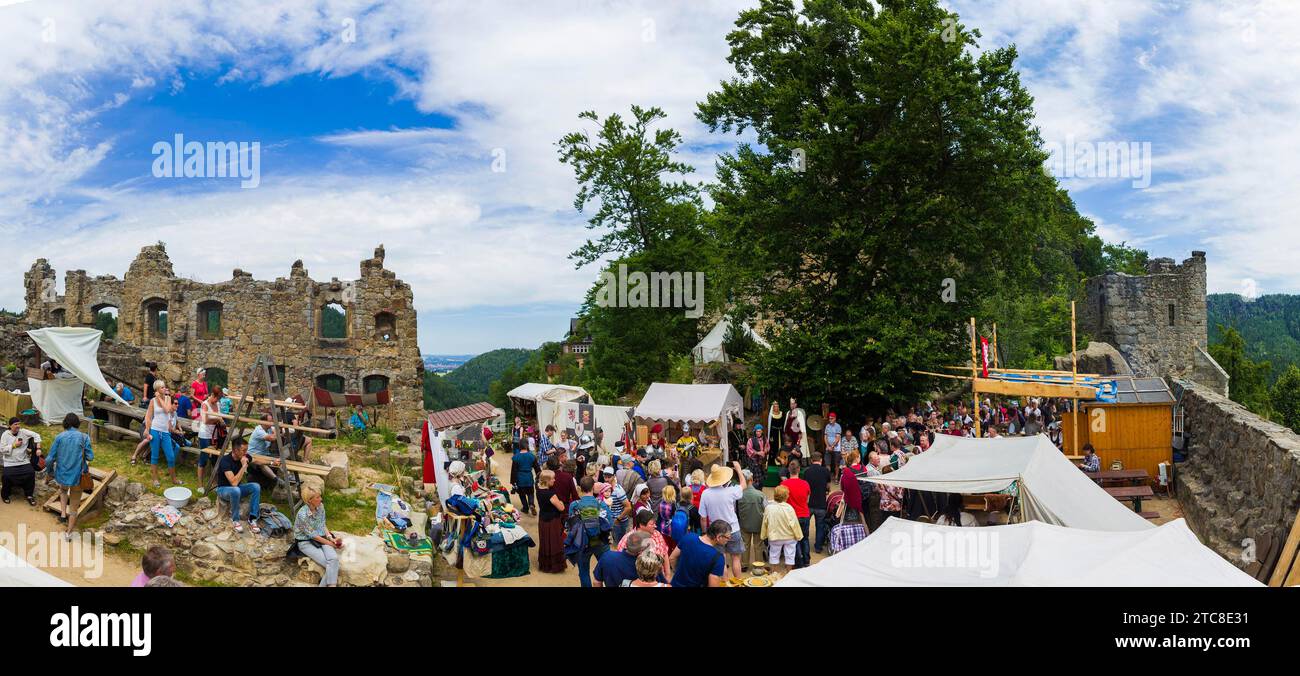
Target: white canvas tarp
x=76, y=349
x=546, y=398
x=672, y=402
x=15, y=572
x=604, y=422
x=1051, y=488
x=1031, y=554
x=56, y=398
x=711, y=349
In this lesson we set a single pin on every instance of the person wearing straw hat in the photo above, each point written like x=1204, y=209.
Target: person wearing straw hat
x=719, y=504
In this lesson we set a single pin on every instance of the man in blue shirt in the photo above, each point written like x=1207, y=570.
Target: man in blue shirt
x=68, y=457
x=259, y=443
x=521, y=475
x=698, y=561
x=615, y=567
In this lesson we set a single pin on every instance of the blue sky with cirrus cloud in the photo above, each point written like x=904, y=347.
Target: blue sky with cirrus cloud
x=391, y=138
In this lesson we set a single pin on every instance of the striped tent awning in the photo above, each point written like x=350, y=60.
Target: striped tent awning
x=329, y=399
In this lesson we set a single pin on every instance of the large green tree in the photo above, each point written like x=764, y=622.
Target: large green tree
x=649, y=220
x=629, y=183
x=896, y=188
x=1247, y=379
x=1285, y=398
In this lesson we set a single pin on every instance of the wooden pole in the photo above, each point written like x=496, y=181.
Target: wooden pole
x=995, y=344
x=1074, y=375
x=974, y=372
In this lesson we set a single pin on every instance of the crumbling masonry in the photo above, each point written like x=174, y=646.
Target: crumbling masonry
x=184, y=325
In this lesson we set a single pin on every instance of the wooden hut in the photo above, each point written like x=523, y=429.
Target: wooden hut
x=1135, y=429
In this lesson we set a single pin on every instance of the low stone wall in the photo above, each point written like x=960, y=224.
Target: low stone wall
x=207, y=548
x=1242, y=475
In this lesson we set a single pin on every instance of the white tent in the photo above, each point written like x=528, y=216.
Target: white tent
x=671, y=402
x=15, y=572
x=1031, y=554
x=544, y=398
x=76, y=349
x=711, y=349
x=1051, y=488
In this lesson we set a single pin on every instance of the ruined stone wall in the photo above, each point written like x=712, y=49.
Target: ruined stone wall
x=1242, y=475
x=280, y=318
x=1133, y=314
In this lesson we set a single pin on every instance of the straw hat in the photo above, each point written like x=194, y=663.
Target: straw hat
x=720, y=475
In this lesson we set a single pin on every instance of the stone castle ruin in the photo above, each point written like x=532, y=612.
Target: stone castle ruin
x=1241, y=478
x=183, y=325
x=1157, y=321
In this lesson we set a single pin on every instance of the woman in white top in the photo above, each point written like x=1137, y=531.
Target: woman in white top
x=952, y=514
x=208, y=418
x=160, y=420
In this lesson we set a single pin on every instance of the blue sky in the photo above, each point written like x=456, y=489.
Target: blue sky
x=429, y=127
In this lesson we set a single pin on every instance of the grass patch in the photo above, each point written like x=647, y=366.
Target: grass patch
x=344, y=512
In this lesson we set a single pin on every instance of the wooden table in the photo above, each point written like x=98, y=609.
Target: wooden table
x=1134, y=493
x=1136, y=477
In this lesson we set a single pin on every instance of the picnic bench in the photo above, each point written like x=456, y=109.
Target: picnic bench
x=120, y=418
x=1134, y=494
x=1135, y=477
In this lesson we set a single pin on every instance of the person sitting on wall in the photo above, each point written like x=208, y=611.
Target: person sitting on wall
x=359, y=420
x=231, y=470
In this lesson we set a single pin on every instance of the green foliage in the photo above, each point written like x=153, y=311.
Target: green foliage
x=439, y=394
x=681, y=369
x=475, y=376
x=1269, y=324
x=1285, y=398
x=1247, y=379
x=625, y=170
x=107, y=323
x=333, y=322
x=1123, y=258
x=898, y=161
x=738, y=342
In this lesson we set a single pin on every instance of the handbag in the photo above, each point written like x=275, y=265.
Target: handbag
x=87, y=482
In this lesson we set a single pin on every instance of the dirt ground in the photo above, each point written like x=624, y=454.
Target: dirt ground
x=100, y=567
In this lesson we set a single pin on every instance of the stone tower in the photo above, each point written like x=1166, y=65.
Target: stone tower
x=1157, y=320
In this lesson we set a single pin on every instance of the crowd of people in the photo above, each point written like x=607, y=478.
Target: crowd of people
x=656, y=516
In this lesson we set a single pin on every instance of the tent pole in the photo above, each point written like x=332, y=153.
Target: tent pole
x=974, y=372
x=995, y=345
x=1074, y=376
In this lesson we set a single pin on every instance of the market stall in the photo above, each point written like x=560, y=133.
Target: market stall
x=715, y=406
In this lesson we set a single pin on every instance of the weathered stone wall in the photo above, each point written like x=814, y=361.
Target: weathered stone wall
x=1242, y=475
x=1133, y=314
x=207, y=548
x=281, y=318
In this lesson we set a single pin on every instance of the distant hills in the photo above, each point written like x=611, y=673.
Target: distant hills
x=467, y=381
x=444, y=363
x=1269, y=324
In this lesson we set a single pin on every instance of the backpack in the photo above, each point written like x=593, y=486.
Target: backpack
x=868, y=489
x=274, y=523
x=592, y=524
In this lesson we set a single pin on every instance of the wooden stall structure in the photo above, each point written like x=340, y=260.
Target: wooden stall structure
x=1135, y=429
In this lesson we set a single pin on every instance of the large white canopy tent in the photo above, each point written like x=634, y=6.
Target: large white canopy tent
x=672, y=402
x=711, y=347
x=15, y=572
x=540, y=399
x=76, y=349
x=1051, y=488
x=1031, y=554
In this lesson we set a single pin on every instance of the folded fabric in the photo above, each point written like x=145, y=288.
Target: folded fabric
x=166, y=514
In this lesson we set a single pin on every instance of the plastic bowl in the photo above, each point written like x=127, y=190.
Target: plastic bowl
x=177, y=496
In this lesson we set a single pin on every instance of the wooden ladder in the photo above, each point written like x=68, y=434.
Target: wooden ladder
x=259, y=378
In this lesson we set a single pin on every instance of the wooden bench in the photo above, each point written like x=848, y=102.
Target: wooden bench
x=1134, y=477
x=1149, y=515
x=1131, y=493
